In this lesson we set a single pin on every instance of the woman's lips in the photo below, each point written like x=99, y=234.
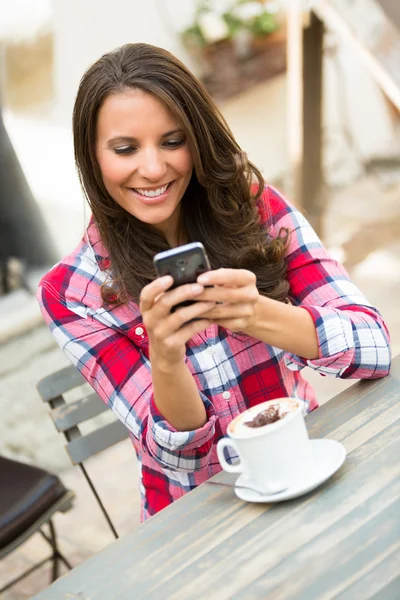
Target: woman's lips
x=153, y=199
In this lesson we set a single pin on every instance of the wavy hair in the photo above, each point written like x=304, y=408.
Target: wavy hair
x=218, y=207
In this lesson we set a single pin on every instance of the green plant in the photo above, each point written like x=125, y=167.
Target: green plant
x=263, y=24
x=197, y=32
x=242, y=15
x=234, y=24
x=193, y=35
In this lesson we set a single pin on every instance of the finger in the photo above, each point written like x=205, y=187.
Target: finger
x=151, y=291
x=230, y=311
x=227, y=277
x=180, y=294
x=171, y=324
x=185, y=314
x=185, y=333
x=229, y=295
x=238, y=324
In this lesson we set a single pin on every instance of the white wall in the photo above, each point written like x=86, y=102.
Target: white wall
x=86, y=29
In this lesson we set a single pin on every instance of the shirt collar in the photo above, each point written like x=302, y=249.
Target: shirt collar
x=94, y=240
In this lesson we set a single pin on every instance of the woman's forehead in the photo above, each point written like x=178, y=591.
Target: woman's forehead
x=135, y=110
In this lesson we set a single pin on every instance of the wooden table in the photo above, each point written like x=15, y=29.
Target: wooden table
x=340, y=541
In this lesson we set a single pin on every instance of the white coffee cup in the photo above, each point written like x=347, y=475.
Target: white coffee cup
x=273, y=457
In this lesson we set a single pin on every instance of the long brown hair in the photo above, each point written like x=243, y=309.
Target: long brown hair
x=218, y=207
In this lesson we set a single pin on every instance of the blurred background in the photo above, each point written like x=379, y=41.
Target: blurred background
x=311, y=90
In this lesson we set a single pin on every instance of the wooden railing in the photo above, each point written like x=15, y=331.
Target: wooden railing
x=376, y=40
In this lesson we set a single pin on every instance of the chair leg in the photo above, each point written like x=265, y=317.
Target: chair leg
x=55, y=572
x=24, y=574
x=101, y=505
x=61, y=556
x=56, y=556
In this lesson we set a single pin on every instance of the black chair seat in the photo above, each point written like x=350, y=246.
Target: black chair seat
x=26, y=492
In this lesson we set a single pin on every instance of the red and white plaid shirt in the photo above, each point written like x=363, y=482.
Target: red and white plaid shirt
x=233, y=371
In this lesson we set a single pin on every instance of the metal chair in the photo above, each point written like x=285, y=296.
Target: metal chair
x=29, y=498
x=67, y=415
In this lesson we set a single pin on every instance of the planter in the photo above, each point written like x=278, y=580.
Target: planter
x=232, y=71
x=261, y=44
x=221, y=57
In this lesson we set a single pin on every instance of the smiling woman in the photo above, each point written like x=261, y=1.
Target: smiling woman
x=153, y=122
x=144, y=158
x=160, y=167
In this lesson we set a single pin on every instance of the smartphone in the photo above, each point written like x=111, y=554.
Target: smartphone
x=184, y=264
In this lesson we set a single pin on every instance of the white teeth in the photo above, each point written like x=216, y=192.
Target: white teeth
x=152, y=193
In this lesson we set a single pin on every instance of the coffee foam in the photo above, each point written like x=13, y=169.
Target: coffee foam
x=286, y=406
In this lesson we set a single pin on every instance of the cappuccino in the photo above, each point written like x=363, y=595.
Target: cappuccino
x=272, y=445
x=268, y=414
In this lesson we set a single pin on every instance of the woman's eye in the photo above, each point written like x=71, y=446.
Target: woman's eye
x=124, y=150
x=174, y=143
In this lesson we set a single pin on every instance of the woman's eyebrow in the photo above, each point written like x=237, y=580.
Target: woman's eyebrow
x=123, y=139
x=172, y=132
x=120, y=139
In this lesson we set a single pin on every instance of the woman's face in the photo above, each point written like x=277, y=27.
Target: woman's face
x=144, y=158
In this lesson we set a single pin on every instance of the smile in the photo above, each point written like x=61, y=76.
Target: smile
x=153, y=196
x=152, y=193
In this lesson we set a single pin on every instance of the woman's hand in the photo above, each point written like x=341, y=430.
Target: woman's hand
x=237, y=292
x=168, y=332
x=278, y=324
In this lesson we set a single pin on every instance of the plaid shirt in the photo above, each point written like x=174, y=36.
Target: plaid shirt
x=233, y=371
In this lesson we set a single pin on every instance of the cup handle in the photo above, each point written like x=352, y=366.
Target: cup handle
x=225, y=443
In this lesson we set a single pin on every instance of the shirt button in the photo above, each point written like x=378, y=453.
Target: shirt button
x=226, y=395
x=139, y=330
x=210, y=350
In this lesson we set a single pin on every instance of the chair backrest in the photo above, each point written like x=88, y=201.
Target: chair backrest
x=67, y=415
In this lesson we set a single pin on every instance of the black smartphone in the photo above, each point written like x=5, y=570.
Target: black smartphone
x=184, y=264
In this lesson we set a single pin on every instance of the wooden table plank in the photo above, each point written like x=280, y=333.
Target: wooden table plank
x=211, y=544
x=352, y=556
x=380, y=582
x=289, y=527
x=389, y=592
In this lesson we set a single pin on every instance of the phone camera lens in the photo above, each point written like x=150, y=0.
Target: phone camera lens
x=181, y=262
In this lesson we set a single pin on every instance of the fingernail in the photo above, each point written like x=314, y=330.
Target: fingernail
x=196, y=288
x=166, y=280
x=203, y=279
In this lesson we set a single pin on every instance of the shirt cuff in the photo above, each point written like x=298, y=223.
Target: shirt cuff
x=182, y=450
x=335, y=343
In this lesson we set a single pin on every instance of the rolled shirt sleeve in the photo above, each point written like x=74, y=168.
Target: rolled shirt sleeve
x=353, y=340
x=180, y=450
x=346, y=349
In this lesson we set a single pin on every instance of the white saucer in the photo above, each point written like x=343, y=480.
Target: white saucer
x=328, y=456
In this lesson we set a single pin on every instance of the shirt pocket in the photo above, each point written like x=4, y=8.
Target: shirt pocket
x=138, y=334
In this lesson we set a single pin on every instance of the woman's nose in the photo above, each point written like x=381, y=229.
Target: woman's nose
x=152, y=165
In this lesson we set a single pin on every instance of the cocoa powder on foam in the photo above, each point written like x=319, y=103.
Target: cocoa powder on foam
x=271, y=412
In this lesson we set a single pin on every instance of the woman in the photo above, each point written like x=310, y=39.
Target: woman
x=160, y=167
